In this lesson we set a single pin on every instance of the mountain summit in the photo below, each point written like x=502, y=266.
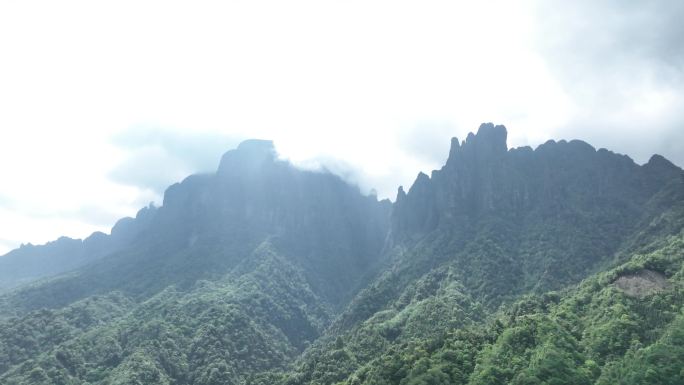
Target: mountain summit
x=248, y=157
x=489, y=140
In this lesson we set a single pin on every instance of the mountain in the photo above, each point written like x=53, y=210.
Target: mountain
x=556, y=265
x=477, y=251
x=210, y=223
x=528, y=220
x=29, y=263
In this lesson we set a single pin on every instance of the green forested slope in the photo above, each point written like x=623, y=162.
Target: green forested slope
x=256, y=318
x=593, y=333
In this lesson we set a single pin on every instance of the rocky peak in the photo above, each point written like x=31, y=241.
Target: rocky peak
x=455, y=148
x=482, y=178
x=489, y=141
x=250, y=155
x=256, y=145
x=401, y=194
x=489, y=135
x=659, y=163
x=422, y=182
x=659, y=169
x=468, y=181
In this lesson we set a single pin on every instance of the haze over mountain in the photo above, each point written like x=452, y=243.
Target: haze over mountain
x=561, y=264
x=85, y=101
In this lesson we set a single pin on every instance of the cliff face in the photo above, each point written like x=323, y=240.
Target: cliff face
x=482, y=177
x=314, y=218
x=553, y=214
x=210, y=223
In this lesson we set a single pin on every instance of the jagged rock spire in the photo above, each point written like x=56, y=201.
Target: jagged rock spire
x=490, y=140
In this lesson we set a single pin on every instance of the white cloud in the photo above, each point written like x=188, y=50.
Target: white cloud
x=378, y=87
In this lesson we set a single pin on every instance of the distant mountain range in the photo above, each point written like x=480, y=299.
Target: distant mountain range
x=556, y=265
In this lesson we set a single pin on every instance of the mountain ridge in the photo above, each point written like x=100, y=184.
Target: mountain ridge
x=498, y=268
x=656, y=164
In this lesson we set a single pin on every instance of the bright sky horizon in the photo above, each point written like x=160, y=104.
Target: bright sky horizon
x=104, y=104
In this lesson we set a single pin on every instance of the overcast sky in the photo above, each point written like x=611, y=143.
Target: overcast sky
x=103, y=104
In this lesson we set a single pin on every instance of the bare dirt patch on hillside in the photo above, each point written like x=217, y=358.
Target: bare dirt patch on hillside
x=642, y=283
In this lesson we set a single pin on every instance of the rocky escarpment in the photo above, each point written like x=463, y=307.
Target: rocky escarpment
x=210, y=223
x=314, y=218
x=554, y=213
x=482, y=176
